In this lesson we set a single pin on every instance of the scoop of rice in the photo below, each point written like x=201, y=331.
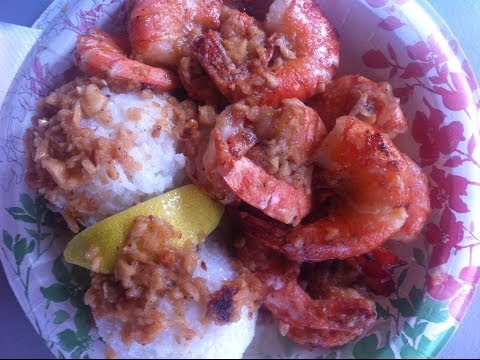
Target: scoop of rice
x=161, y=165
x=93, y=153
x=213, y=341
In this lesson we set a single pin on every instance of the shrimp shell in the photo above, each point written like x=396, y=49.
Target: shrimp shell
x=105, y=56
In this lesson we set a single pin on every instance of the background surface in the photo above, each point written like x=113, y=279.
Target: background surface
x=17, y=337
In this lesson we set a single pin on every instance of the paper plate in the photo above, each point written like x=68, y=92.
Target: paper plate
x=401, y=41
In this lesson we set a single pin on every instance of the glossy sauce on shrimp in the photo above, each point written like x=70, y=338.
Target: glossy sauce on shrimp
x=293, y=55
x=363, y=98
x=316, y=188
x=106, y=56
x=160, y=30
x=370, y=179
x=260, y=155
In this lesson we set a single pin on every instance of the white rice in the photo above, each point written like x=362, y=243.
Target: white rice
x=213, y=341
x=162, y=163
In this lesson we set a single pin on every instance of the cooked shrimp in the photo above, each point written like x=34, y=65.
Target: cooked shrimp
x=161, y=31
x=358, y=96
x=261, y=154
x=377, y=268
x=336, y=316
x=370, y=178
x=417, y=210
x=105, y=56
x=294, y=58
x=197, y=83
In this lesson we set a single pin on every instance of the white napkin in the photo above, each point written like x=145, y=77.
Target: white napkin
x=15, y=43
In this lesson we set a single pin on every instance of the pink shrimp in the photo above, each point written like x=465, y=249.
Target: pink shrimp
x=358, y=96
x=371, y=179
x=161, y=31
x=417, y=210
x=260, y=155
x=334, y=316
x=294, y=58
x=105, y=56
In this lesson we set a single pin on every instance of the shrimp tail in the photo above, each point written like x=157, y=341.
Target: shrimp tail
x=378, y=266
x=288, y=304
x=266, y=231
x=105, y=56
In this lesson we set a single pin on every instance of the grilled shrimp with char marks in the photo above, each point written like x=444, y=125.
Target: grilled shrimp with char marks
x=371, y=183
x=260, y=155
x=160, y=31
x=333, y=316
x=363, y=98
x=294, y=58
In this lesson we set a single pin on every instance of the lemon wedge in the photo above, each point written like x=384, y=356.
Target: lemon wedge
x=187, y=209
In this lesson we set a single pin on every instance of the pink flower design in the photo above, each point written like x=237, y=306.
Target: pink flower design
x=391, y=23
x=444, y=237
x=435, y=139
x=442, y=286
x=429, y=51
x=470, y=274
x=448, y=189
x=459, y=305
x=445, y=287
x=470, y=77
x=375, y=59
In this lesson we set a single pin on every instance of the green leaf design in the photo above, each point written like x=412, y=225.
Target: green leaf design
x=381, y=312
x=56, y=292
x=424, y=344
x=60, y=271
x=403, y=306
x=420, y=328
x=7, y=240
x=20, y=250
x=32, y=233
x=409, y=330
x=77, y=354
x=80, y=276
x=415, y=331
x=23, y=217
x=419, y=257
x=30, y=247
x=385, y=352
x=433, y=347
x=416, y=297
x=28, y=204
x=40, y=203
x=49, y=219
x=401, y=277
x=76, y=299
x=408, y=352
x=68, y=340
x=16, y=210
x=60, y=316
x=366, y=348
x=83, y=323
x=433, y=311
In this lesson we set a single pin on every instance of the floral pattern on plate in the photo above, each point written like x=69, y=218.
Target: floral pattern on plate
x=401, y=41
